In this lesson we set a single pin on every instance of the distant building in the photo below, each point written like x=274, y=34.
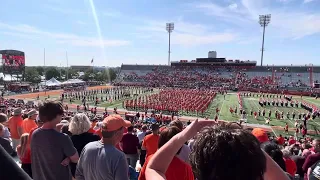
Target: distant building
x=212, y=54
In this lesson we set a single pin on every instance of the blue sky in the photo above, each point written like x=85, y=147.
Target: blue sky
x=133, y=32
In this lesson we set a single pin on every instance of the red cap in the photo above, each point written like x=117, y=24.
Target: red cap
x=260, y=134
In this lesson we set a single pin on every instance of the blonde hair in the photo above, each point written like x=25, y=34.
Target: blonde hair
x=24, y=143
x=79, y=124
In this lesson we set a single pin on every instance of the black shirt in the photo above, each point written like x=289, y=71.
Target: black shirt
x=79, y=142
x=5, y=143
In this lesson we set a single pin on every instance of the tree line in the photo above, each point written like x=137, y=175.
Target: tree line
x=33, y=74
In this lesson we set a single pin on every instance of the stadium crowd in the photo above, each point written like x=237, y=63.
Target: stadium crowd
x=249, y=78
x=54, y=143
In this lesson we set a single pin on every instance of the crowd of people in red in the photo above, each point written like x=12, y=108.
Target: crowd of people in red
x=173, y=100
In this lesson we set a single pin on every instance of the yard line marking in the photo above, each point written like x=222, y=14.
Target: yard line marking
x=315, y=122
x=274, y=132
x=221, y=109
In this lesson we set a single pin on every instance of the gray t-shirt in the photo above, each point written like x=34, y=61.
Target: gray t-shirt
x=48, y=148
x=100, y=161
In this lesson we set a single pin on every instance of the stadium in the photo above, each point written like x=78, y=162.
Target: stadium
x=108, y=99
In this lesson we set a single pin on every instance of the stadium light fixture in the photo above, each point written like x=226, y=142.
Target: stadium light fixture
x=264, y=20
x=169, y=28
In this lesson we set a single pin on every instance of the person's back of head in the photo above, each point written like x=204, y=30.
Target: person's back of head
x=167, y=134
x=177, y=123
x=51, y=111
x=3, y=118
x=275, y=153
x=130, y=129
x=227, y=154
x=316, y=145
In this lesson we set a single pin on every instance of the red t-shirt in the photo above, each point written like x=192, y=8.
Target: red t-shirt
x=177, y=170
x=130, y=143
x=291, y=166
x=291, y=141
x=280, y=140
x=26, y=159
x=150, y=142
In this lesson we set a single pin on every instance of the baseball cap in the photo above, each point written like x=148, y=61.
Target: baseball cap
x=114, y=122
x=260, y=134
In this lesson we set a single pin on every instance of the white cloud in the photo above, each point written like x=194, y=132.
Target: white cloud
x=233, y=6
x=185, y=33
x=308, y=1
x=110, y=13
x=81, y=22
x=26, y=30
x=285, y=23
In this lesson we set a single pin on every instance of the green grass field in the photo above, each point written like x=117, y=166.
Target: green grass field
x=231, y=100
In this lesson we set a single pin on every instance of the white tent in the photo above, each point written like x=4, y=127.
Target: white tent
x=72, y=81
x=51, y=82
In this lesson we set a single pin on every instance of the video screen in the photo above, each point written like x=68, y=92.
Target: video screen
x=13, y=62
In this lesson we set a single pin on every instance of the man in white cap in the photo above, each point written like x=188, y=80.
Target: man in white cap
x=15, y=126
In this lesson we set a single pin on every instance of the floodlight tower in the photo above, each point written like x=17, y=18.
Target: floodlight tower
x=264, y=20
x=169, y=28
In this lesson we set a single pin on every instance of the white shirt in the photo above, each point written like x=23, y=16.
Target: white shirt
x=141, y=135
x=184, y=153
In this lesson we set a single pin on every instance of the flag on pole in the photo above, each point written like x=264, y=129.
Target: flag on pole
x=91, y=60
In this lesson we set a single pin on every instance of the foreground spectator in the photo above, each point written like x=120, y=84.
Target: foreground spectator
x=15, y=126
x=129, y=145
x=79, y=127
x=143, y=152
x=10, y=169
x=29, y=123
x=5, y=142
x=4, y=121
x=273, y=150
x=313, y=158
x=24, y=153
x=150, y=142
x=177, y=168
x=50, y=149
x=101, y=159
x=185, y=149
x=249, y=162
x=291, y=166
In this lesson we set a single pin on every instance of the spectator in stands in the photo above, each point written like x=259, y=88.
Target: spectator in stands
x=313, y=158
x=260, y=134
x=291, y=166
x=142, y=133
x=15, y=126
x=9, y=168
x=51, y=151
x=5, y=142
x=273, y=150
x=141, y=136
x=101, y=159
x=24, y=153
x=299, y=160
x=29, y=123
x=129, y=145
x=150, y=142
x=79, y=127
x=4, y=121
x=214, y=155
x=177, y=169
x=185, y=150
